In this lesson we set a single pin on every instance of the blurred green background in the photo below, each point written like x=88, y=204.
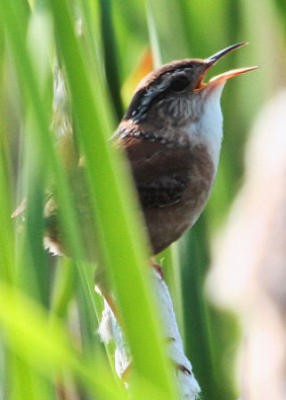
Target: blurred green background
x=41, y=297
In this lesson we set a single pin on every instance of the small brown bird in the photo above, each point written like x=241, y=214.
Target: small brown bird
x=172, y=133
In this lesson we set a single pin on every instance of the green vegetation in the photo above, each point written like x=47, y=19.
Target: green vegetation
x=41, y=296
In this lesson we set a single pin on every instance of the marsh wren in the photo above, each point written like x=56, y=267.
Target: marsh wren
x=171, y=133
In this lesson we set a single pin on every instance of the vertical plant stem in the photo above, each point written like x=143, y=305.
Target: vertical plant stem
x=153, y=35
x=124, y=254
x=110, y=56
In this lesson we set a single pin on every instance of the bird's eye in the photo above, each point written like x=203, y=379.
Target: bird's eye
x=179, y=83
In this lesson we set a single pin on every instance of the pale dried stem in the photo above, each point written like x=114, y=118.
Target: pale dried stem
x=110, y=330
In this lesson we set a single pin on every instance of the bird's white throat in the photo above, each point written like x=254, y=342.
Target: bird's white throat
x=208, y=129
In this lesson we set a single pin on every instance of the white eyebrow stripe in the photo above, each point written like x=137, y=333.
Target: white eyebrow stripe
x=153, y=91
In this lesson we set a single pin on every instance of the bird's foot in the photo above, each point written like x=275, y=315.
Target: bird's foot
x=157, y=267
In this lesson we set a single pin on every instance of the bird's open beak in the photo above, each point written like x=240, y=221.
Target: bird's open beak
x=219, y=79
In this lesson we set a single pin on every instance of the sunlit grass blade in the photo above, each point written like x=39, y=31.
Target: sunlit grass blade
x=114, y=206
x=46, y=346
x=27, y=382
x=165, y=27
x=63, y=288
x=110, y=56
x=43, y=136
x=153, y=34
x=92, y=43
x=27, y=324
x=32, y=266
x=6, y=228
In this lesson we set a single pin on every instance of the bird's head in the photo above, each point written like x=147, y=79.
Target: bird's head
x=176, y=92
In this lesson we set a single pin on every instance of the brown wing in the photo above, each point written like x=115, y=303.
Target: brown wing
x=161, y=192
x=161, y=172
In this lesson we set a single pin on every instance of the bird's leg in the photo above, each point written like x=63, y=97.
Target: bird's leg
x=101, y=286
x=157, y=267
x=103, y=289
